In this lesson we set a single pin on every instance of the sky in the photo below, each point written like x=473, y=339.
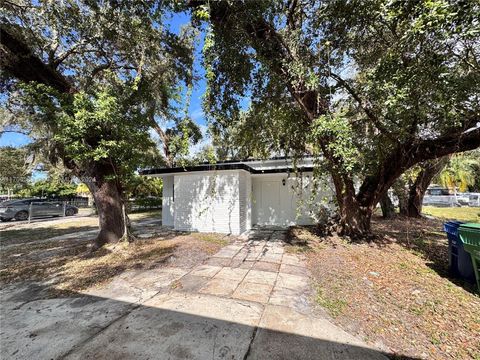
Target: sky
x=195, y=110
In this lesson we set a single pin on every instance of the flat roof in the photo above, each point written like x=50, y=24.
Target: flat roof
x=247, y=165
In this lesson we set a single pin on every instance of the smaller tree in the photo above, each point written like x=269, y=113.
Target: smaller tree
x=82, y=189
x=142, y=186
x=50, y=188
x=476, y=169
x=15, y=168
x=459, y=173
x=411, y=187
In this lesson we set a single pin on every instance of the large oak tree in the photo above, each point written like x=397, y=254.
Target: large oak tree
x=372, y=87
x=94, y=77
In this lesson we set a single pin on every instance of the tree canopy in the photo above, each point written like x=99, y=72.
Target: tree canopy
x=460, y=172
x=15, y=168
x=372, y=87
x=91, y=78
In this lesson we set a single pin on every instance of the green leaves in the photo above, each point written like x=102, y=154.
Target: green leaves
x=125, y=45
x=51, y=187
x=460, y=171
x=202, y=13
x=15, y=169
x=340, y=134
x=104, y=125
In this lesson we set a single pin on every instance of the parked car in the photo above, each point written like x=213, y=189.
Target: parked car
x=436, y=190
x=440, y=196
x=474, y=199
x=441, y=200
x=19, y=209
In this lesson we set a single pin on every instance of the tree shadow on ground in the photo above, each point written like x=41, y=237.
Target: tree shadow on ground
x=20, y=236
x=85, y=326
x=424, y=237
x=70, y=265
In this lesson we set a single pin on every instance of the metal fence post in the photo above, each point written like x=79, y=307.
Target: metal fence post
x=64, y=208
x=30, y=209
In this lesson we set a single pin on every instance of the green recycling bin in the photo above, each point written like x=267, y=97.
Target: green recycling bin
x=469, y=234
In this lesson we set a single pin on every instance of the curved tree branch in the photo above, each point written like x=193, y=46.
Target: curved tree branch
x=408, y=154
x=365, y=108
x=17, y=59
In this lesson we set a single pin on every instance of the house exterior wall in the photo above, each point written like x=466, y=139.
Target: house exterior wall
x=167, y=201
x=249, y=188
x=231, y=201
x=276, y=204
x=209, y=202
x=245, y=189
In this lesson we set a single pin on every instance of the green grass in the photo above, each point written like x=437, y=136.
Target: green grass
x=211, y=238
x=333, y=305
x=467, y=214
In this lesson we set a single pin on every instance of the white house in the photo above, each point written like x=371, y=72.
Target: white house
x=231, y=197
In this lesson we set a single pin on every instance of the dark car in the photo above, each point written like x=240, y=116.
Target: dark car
x=19, y=209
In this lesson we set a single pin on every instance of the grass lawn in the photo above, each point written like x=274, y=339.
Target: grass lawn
x=41, y=231
x=467, y=214
x=22, y=232
x=395, y=292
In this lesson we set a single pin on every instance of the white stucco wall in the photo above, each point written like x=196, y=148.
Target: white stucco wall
x=167, y=201
x=208, y=202
x=245, y=189
x=231, y=201
x=276, y=204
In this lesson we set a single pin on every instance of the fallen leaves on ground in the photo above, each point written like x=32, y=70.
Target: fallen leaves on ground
x=68, y=265
x=396, y=292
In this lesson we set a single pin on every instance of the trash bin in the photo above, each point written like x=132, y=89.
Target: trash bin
x=459, y=260
x=470, y=237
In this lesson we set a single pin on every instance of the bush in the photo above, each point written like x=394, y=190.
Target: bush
x=146, y=203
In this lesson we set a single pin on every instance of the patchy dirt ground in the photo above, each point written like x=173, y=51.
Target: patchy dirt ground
x=17, y=232
x=396, y=292
x=66, y=265
x=247, y=301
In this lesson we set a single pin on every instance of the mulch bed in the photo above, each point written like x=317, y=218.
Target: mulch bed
x=395, y=292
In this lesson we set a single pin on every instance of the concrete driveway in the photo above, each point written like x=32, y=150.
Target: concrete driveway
x=248, y=301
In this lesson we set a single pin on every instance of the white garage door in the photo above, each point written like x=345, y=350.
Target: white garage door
x=273, y=203
x=269, y=209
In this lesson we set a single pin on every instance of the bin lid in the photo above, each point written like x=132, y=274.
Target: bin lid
x=454, y=222
x=471, y=226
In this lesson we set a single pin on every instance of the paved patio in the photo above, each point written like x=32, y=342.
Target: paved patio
x=248, y=301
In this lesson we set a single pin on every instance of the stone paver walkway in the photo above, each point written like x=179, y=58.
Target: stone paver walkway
x=257, y=270
x=248, y=301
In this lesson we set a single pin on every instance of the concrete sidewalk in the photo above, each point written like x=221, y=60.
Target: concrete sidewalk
x=248, y=301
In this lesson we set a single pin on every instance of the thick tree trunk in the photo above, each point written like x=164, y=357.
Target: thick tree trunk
x=109, y=203
x=411, y=197
x=354, y=219
x=388, y=210
x=110, y=214
x=400, y=190
x=417, y=190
